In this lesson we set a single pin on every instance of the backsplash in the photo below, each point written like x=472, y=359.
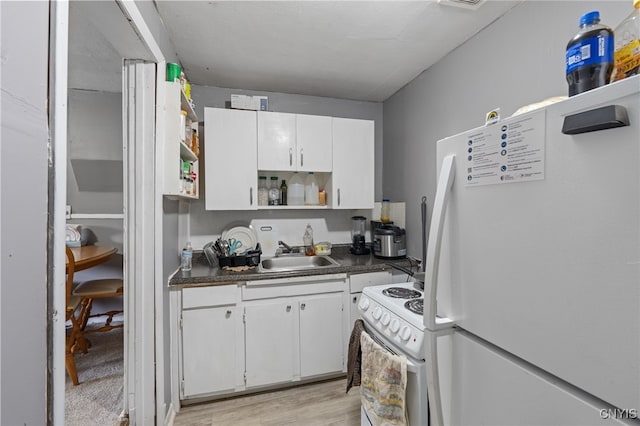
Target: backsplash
x=286, y=225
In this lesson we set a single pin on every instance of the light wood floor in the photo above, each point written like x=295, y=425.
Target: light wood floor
x=324, y=403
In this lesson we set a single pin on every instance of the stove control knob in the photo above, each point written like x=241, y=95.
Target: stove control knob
x=405, y=333
x=377, y=313
x=364, y=304
x=395, y=326
x=385, y=319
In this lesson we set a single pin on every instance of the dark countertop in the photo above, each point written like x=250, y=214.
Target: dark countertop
x=202, y=274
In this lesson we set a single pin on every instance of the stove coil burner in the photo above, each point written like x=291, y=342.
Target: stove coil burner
x=401, y=293
x=415, y=306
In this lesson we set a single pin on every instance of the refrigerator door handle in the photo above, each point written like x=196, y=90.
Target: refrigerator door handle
x=443, y=191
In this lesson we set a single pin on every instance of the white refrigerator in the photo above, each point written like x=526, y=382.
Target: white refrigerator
x=532, y=283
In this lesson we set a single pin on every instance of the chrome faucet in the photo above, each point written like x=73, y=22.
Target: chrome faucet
x=286, y=246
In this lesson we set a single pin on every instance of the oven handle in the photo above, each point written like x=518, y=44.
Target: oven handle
x=412, y=367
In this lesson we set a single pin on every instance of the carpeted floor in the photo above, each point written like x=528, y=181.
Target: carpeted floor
x=97, y=400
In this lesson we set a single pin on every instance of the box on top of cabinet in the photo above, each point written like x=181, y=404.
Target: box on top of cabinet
x=254, y=103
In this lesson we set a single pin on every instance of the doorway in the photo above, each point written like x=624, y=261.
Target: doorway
x=111, y=120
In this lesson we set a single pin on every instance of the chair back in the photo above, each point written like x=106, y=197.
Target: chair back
x=71, y=267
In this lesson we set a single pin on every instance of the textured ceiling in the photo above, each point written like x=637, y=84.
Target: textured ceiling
x=362, y=50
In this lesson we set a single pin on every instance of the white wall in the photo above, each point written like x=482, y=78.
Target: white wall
x=208, y=225
x=23, y=216
x=516, y=61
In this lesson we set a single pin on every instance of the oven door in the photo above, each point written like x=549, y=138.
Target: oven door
x=416, y=393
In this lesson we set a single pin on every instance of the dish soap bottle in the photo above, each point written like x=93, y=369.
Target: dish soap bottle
x=626, y=55
x=307, y=239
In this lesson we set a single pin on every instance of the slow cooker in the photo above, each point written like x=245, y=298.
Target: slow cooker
x=389, y=242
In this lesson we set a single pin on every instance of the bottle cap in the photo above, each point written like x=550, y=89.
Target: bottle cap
x=592, y=17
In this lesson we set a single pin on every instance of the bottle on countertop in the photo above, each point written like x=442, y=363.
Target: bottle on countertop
x=283, y=193
x=626, y=55
x=274, y=192
x=295, y=190
x=385, y=215
x=589, y=59
x=186, y=258
x=307, y=239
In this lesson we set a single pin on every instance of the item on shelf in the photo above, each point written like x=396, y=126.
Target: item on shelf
x=311, y=190
x=626, y=56
x=183, y=123
x=263, y=191
x=173, y=72
x=195, y=141
x=274, y=192
x=253, y=103
x=322, y=197
x=283, y=193
x=295, y=190
x=307, y=239
x=187, y=90
x=589, y=58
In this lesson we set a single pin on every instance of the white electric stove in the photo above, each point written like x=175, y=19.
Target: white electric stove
x=392, y=315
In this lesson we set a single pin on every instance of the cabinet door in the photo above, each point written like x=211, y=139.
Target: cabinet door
x=270, y=342
x=321, y=334
x=230, y=159
x=210, y=359
x=314, y=145
x=276, y=141
x=353, y=164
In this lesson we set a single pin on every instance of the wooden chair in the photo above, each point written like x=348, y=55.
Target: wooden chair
x=75, y=338
x=90, y=290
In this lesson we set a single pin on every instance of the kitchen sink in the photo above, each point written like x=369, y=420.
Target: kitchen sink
x=296, y=263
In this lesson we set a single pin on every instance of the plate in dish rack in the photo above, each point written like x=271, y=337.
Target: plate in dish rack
x=245, y=234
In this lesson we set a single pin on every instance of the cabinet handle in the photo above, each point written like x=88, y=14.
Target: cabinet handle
x=338, y=196
x=251, y=196
x=303, y=305
x=301, y=157
x=288, y=308
x=355, y=299
x=290, y=157
x=228, y=313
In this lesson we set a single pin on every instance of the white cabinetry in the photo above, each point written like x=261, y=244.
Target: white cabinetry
x=177, y=150
x=294, y=328
x=353, y=164
x=270, y=339
x=212, y=341
x=294, y=142
x=230, y=156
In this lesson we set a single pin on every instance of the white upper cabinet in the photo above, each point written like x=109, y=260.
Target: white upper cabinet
x=230, y=157
x=353, y=164
x=294, y=142
x=314, y=143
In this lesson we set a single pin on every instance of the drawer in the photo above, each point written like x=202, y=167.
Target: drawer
x=220, y=295
x=359, y=281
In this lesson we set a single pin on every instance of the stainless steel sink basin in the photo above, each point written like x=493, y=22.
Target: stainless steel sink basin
x=296, y=263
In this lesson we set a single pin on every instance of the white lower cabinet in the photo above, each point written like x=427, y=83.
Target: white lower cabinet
x=321, y=335
x=211, y=341
x=295, y=330
x=234, y=338
x=270, y=340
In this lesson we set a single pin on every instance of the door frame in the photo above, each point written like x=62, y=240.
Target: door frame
x=144, y=376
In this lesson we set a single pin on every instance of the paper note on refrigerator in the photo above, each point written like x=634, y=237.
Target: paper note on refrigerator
x=511, y=151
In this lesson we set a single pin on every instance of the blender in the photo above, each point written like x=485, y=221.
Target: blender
x=357, y=235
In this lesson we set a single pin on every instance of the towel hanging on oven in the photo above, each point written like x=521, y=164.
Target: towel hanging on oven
x=383, y=383
x=354, y=355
